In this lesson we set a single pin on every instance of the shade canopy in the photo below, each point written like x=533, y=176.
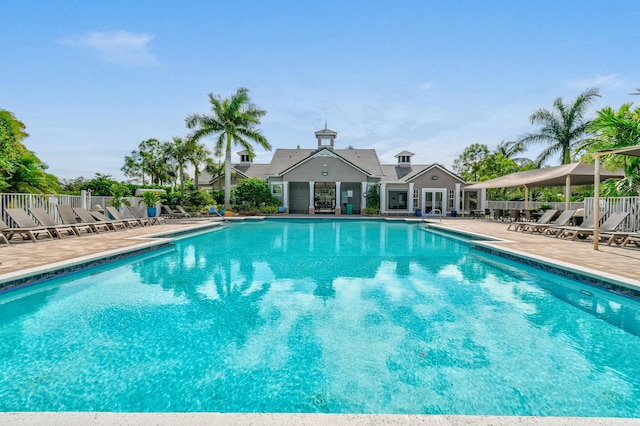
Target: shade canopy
x=579, y=174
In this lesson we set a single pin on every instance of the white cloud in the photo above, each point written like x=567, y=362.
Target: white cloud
x=426, y=86
x=117, y=46
x=609, y=80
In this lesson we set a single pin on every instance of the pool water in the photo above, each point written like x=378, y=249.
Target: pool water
x=320, y=317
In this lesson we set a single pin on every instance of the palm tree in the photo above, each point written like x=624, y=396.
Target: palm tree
x=180, y=152
x=200, y=156
x=233, y=120
x=562, y=128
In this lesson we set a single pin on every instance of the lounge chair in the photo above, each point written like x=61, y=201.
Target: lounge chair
x=146, y=220
x=43, y=217
x=173, y=214
x=184, y=212
x=611, y=224
x=549, y=228
x=26, y=226
x=618, y=237
x=586, y=224
x=101, y=217
x=633, y=238
x=32, y=234
x=86, y=217
x=115, y=214
x=68, y=216
x=521, y=226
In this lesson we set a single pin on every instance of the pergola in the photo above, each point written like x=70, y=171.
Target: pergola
x=633, y=151
x=565, y=175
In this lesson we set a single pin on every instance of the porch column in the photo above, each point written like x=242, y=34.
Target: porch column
x=364, y=196
x=285, y=195
x=338, y=209
x=410, y=197
x=483, y=198
x=456, y=199
x=383, y=198
x=312, y=207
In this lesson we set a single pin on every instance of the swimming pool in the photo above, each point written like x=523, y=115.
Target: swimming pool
x=320, y=316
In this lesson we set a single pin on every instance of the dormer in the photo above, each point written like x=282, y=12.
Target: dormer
x=326, y=138
x=404, y=158
x=245, y=157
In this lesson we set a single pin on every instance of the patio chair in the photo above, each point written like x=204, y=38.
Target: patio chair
x=522, y=225
x=101, y=217
x=68, y=216
x=172, y=214
x=183, y=211
x=587, y=223
x=115, y=214
x=6, y=233
x=549, y=228
x=43, y=217
x=619, y=237
x=86, y=217
x=514, y=215
x=611, y=224
x=633, y=238
x=148, y=220
x=26, y=226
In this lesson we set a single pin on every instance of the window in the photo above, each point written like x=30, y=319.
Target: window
x=452, y=199
x=397, y=199
x=244, y=158
x=276, y=189
x=404, y=159
x=416, y=198
x=325, y=141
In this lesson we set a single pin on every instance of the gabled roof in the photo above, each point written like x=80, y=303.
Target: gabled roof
x=245, y=170
x=395, y=173
x=365, y=160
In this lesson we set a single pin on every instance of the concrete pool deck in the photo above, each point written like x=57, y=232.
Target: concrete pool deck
x=23, y=258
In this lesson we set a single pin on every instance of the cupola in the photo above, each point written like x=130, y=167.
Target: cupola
x=404, y=158
x=326, y=138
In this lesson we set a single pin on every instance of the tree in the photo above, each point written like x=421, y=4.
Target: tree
x=20, y=169
x=467, y=165
x=252, y=192
x=200, y=156
x=617, y=129
x=233, y=120
x=150, y=160
x=101, y=184
x=181, y=152
x=563, y=128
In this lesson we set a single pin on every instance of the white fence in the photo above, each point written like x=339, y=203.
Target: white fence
x=615, y=205
x=533, y=205
x=49, y=202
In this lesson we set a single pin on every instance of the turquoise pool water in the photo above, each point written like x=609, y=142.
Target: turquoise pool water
x=320, y=316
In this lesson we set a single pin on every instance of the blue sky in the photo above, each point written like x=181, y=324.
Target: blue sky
x=93, y=79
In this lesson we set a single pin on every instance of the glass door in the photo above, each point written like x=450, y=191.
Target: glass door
x=433, y=200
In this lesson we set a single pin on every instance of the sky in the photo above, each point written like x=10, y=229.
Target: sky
x=93, y=79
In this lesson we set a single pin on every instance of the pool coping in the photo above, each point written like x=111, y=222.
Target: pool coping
x=605, y=280
x=149, y=242
x=162, y=239
x=269, y=419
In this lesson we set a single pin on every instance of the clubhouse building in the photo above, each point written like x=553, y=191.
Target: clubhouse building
x=326, y=180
